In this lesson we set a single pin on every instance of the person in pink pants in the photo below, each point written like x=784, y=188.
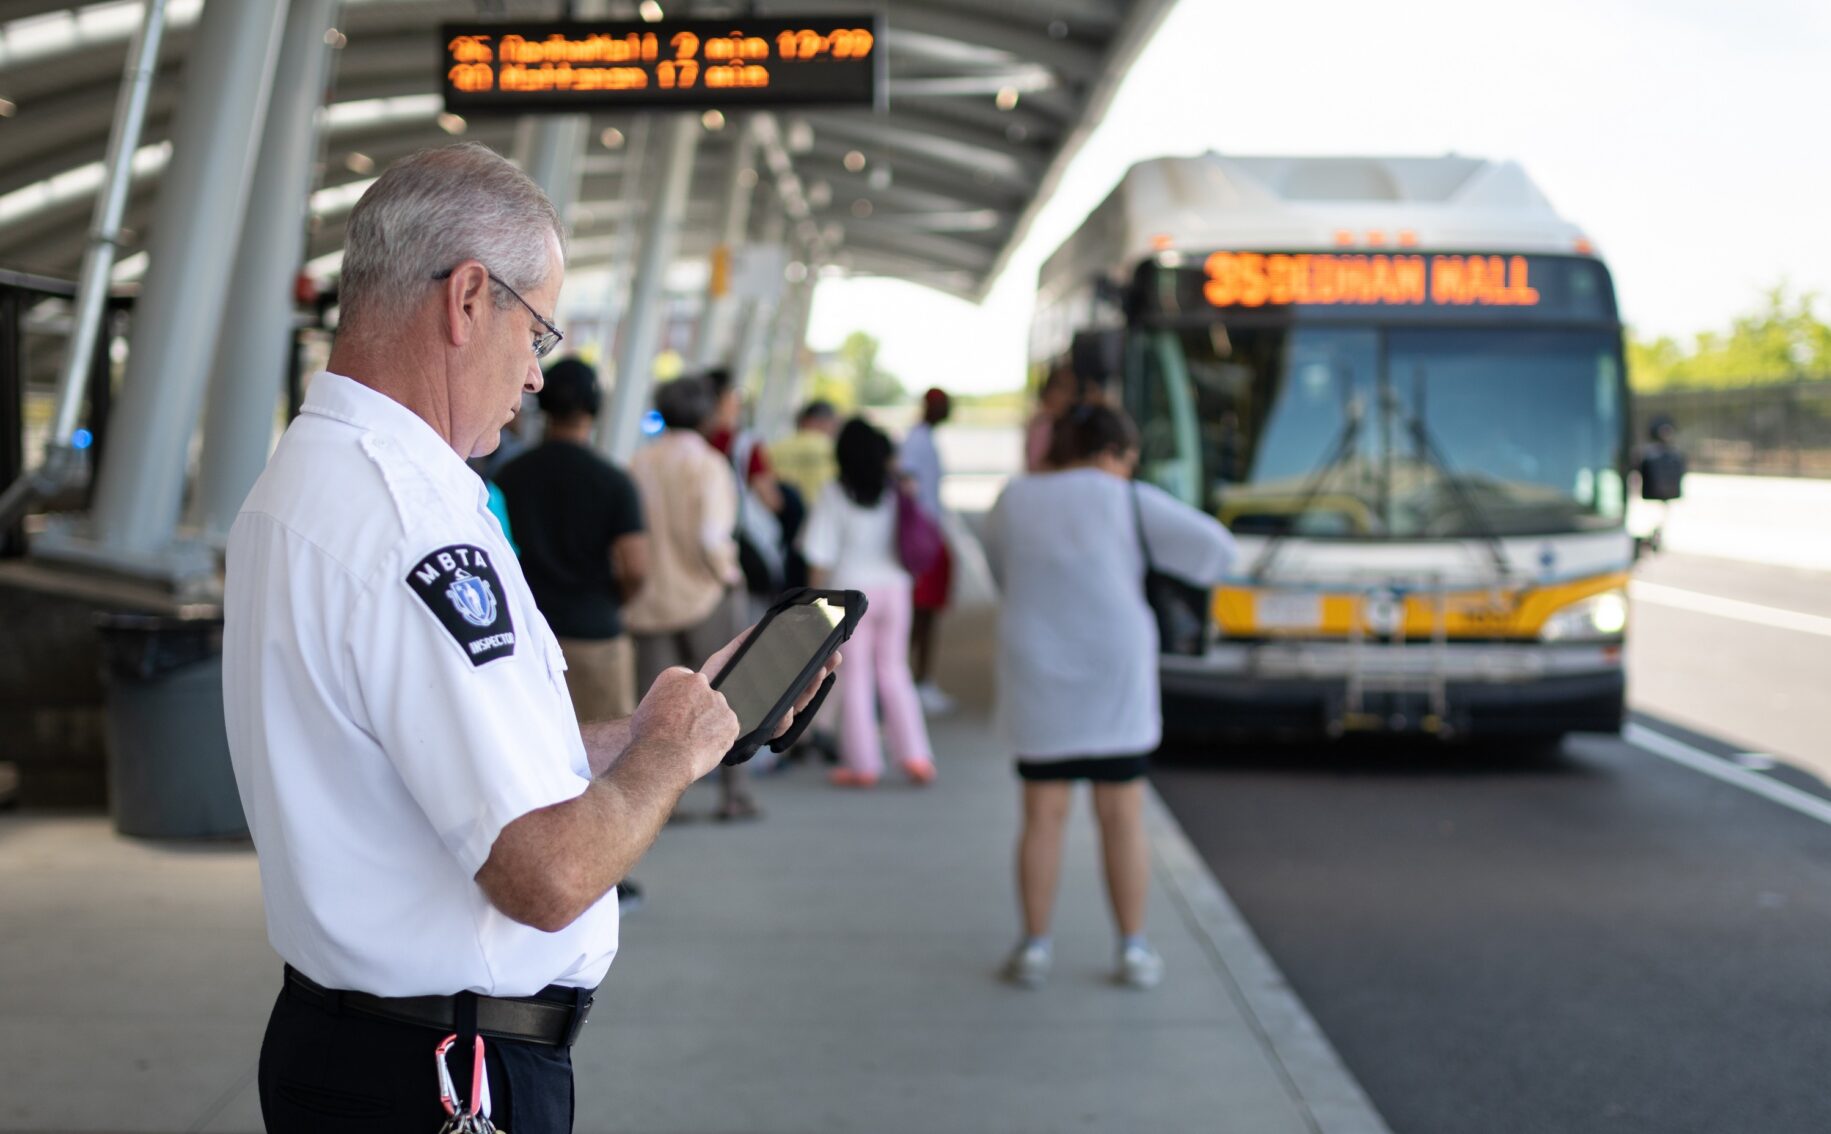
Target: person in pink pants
x=850, y=543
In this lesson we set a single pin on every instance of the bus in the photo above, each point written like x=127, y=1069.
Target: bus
x=1400, y=382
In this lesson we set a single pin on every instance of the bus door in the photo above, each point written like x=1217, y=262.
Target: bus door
x=1160, y=400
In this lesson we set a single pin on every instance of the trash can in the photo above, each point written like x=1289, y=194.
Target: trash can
x=169, y=774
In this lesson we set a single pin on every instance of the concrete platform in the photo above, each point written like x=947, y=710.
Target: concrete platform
x=829, y=968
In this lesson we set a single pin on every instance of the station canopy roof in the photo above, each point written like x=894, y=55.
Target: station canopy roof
x=988, y=101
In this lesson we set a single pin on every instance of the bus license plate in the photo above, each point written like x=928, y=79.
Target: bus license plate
x=1288, y=611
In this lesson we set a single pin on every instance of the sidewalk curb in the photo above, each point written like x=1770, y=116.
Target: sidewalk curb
x=1332, y=1101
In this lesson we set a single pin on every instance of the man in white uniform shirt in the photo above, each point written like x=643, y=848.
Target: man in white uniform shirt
x=439, y=837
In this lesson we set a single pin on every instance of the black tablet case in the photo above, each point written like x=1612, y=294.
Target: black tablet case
x=746, y=746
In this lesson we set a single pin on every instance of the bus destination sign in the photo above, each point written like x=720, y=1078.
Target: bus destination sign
x=520, y=68
x=1434, y=287
x=1253, y=279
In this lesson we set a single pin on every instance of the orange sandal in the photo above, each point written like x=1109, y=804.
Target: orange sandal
x=920, y=772
x=847, y=777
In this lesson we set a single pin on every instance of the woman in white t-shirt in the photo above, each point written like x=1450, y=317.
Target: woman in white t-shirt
x=1078, y=695
x=850, y=544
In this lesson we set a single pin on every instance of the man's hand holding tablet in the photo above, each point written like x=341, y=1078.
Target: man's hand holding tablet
x=775, y=675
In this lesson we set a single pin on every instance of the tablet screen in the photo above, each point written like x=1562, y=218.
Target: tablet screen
x=771, y=663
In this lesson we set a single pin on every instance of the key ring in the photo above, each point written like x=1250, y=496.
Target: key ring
x=479, y=1080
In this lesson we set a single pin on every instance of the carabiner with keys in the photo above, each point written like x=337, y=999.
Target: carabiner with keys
x=476, y=1118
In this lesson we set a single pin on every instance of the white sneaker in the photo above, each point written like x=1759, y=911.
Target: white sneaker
x=1029, y=965
x=934, y=702
x=1139, y=967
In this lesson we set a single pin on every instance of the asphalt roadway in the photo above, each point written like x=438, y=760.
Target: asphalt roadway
x=1624, y=935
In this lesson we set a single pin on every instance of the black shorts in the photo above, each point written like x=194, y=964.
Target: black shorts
x=1097, y=769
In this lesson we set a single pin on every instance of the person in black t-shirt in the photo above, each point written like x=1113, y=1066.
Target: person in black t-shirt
x=578, y=522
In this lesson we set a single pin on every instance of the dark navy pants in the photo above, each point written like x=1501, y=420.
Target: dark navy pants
x=323, y=1068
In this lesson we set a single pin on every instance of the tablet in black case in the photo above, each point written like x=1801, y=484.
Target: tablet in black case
x=789, y=646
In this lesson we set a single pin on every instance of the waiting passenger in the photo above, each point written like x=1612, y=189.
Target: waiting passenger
x=851, y=542
x=1077, y=664
x=578, y=523
x=804, y=465
x=805, y=459
x=762, y=512
x=1058, y=395
x=694, y=593
x=921, y=461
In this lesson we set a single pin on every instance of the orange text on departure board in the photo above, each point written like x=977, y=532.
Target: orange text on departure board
x=1256, y=279
x=639, y=61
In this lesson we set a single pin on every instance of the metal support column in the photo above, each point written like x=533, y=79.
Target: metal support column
x=554, y=160
x=713, y=339
x=12, y=407
x=253, y=353
x=228, y=76
x=551, y=147
x=796, y=379
x=758, y=316
x=636, y=354
x=62, y=459
x=629, y=224
x=782, y=384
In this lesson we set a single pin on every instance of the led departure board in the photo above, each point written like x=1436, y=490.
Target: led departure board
x=520, y=68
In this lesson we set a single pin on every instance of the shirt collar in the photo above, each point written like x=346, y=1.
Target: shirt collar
x=344, y=399
x=691, y=438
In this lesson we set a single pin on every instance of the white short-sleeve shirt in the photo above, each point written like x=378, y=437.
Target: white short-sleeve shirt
x=855, y=543
x=922, y=461
x=1077, y=643
x=393, y=700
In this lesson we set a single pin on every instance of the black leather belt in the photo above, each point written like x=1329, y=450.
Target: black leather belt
x=554, y=1017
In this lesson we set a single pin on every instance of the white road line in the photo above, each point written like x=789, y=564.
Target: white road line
x=1325, y=1089
x=1700, y=603
x=1677, y=751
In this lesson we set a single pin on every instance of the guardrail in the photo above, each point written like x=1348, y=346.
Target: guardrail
x=1769, y=430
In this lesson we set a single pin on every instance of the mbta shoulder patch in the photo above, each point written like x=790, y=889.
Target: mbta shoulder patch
x=461, y=588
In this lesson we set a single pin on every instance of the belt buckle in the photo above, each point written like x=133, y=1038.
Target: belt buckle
x=579, y=1016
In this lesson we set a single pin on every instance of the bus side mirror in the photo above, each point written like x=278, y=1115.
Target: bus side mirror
x=1097, y=356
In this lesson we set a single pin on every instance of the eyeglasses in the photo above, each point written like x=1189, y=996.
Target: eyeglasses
x=543, y=344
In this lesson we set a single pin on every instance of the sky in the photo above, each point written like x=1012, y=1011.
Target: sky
x=1675, y=133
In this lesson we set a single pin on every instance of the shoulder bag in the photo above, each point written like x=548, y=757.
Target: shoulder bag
x=918, y=536
x=1181, y=608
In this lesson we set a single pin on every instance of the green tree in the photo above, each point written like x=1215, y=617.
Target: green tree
x=850, y=377
x=829, y=385
x=873, y=385
x=1783, y=340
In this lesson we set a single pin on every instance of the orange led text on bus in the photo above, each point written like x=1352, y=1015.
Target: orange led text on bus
x=1255, y=279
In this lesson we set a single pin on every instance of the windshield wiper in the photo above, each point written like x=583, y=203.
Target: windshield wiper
x=1425, y=443
x=1341, y=450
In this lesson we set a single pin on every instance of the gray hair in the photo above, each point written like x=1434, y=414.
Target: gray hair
x=432, y=211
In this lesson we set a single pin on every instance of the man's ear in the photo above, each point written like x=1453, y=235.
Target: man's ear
x=465, y=294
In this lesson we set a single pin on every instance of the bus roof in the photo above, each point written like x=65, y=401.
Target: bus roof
x=1340, y=204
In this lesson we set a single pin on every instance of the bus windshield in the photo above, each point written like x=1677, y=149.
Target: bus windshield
x=1385, y=432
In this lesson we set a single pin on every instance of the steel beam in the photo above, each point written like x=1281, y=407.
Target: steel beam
x=783, y=380
x=759, y=312
x=557, y=143
x=202, y=199
x=636, y=354
x=256, y=344
x=629, y=219
x=713, y=338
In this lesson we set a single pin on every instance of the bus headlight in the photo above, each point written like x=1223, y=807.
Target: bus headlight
x=1600, y=617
